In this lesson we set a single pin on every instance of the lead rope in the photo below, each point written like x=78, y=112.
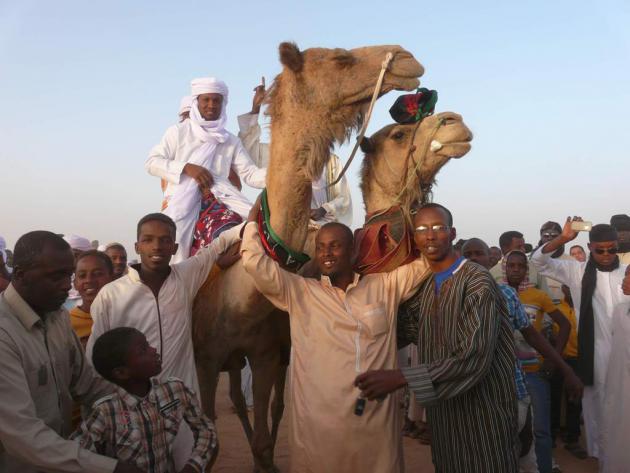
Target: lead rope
x=377, y=90
x=409, y=176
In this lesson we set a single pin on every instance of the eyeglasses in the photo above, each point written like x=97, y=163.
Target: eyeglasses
x=550, y=234
x=610, y=251
x=434, y=228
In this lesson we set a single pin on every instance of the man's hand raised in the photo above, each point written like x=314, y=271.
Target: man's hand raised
x=259, y=97
x=568, y=234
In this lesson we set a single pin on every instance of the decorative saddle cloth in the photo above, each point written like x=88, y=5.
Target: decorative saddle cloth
x=214, y=217
x=384, y=243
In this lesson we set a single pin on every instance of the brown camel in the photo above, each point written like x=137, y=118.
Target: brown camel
x=318, y=98
x=401, y=162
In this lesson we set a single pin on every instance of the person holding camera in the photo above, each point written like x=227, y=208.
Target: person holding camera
x=595, y=288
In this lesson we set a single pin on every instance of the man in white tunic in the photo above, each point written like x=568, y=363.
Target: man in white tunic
x=615, y=457
x=328, y=203
x=157, y=298
x=195, y=157
x=596, y=292
x=341, y=325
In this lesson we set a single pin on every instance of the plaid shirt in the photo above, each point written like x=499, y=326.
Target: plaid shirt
x=141, y=431
x=519, y=320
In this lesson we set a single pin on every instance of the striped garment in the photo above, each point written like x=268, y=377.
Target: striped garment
x=466, y=373
x=141, y=431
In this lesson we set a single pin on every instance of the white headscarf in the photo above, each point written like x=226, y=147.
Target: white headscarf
x=185, y=104
x=77, y=242
x=186, y=196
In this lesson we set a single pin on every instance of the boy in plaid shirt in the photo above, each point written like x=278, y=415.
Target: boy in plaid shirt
x=138, y=423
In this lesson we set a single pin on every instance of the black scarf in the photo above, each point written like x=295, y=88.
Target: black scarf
x=586, y=326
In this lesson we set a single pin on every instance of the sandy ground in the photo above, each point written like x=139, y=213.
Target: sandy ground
x=235, y=456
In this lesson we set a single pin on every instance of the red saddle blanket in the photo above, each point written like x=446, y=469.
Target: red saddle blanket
x=384, y=243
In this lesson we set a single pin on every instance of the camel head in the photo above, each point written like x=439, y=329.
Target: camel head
x=321, y=95
x=401, y=161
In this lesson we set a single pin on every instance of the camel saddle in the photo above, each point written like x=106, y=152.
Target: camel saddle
x=384, y=243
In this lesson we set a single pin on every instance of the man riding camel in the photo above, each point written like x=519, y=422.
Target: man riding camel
x=194, y=157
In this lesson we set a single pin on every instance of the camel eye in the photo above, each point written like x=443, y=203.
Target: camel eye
x=399, y=135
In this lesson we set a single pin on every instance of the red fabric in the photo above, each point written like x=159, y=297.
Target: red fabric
x=384, y=243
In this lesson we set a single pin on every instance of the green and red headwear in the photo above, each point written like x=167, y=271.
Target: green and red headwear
x=412, y=108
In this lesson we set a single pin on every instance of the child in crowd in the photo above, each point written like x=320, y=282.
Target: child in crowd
x=93, y=270
x=138, y=423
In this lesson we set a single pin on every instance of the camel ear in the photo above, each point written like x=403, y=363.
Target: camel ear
x=291, y=57
x=366, y=145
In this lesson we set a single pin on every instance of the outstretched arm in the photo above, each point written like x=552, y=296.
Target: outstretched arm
x=204, y=433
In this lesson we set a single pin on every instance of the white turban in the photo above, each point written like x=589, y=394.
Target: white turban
x=184, y=105
x=208, y=85
x=77, y=242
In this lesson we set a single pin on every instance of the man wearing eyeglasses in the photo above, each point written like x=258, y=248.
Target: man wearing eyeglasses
x=596, y=292
x=466, y=373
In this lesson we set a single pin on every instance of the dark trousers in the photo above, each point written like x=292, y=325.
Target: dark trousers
x=573, y=411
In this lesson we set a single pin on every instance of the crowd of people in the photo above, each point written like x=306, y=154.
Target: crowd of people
x=497, y=348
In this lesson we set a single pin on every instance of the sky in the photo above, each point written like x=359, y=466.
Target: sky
x=87, y=88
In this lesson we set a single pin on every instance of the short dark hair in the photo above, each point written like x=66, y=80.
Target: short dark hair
x=603, y=232
x=100, y=255
x=435, y=205
x=550, y=225
x=111, y=350
x=474, y=240
x=344, y=228
x=506, y=238
x=159, y=217
x=516, y=253
x=577, y=246
x=118, y=246
x=32, y=244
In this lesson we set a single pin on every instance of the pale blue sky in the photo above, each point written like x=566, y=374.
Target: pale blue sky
x=87, y=88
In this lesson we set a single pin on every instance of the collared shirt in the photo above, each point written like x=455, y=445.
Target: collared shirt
x=166, y=320
x=519, y=321
x=42, y=368
x=141, y=430
x=335, y=336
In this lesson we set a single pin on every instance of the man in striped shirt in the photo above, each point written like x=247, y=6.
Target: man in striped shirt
x=465, y=376
x=139, y=422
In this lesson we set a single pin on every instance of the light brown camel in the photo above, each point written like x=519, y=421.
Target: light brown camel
x=392, y=175
x=318, y=98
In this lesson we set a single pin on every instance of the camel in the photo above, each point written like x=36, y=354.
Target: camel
x=401, y=161
x=318, y=98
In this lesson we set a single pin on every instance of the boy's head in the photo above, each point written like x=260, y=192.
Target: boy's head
x=94, y=269
x=156, y=241
x=510, y=241
x=123, y=354
x=516, y=267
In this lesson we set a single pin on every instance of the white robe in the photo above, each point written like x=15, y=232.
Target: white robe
x=168, y=158
x=608, y=299
x=615, y=455
x=166, y=321
x=336, y=200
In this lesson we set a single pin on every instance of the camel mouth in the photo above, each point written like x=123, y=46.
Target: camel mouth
x=391, y=82
x=455, y=149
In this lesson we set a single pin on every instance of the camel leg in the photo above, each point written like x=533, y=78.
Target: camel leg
x=277, y=406
x=236, y=395
x=264, y=376
x=208, y=376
